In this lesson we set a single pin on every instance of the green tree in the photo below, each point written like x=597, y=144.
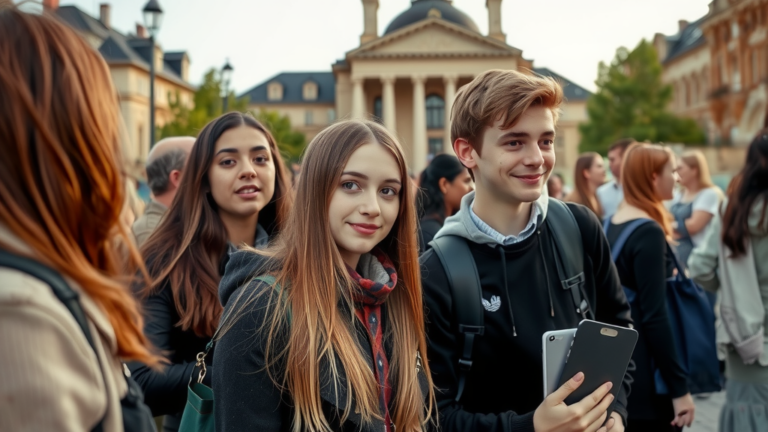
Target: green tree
x=207, y=105
x=631, y=101
x=290, y=142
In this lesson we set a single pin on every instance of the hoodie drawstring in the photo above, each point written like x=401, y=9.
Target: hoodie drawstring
x=546, y=273
x=506, y=289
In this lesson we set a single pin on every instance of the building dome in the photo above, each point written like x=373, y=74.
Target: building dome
x=423, y=9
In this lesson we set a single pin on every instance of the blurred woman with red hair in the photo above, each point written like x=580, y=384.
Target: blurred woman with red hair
x=62, y=193
x=643, y=225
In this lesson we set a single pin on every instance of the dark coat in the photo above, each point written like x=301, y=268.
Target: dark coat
x=246, y=396
x=165, y=391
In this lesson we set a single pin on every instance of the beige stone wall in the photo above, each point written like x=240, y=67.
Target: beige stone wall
x=689, y=77
x=322, y=115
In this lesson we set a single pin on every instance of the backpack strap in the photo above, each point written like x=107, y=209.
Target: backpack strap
x=466, y=296
x=66, y=295
x=569, y=254
x=622, y=240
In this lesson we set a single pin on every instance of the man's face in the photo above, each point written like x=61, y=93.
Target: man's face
x=614, y=162
x=515, y=163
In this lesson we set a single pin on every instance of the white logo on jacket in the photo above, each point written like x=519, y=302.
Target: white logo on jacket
x=493, y=305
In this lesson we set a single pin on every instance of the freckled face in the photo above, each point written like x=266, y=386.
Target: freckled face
x=366, y=202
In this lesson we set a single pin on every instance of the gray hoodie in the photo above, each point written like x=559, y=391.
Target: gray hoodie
x=462, y=225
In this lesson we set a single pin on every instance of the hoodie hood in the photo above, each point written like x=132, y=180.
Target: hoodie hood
x=243, y=266
x=462, y=225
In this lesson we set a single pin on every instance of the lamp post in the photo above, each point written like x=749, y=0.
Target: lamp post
x=226, y=75
x=153, y=17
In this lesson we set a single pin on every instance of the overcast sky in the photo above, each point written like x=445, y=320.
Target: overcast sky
x=265, y=37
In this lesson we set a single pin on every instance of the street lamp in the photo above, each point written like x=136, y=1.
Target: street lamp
x=153, y=17
x=226, y=75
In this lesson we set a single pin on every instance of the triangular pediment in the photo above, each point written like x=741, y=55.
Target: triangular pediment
x=433, y=37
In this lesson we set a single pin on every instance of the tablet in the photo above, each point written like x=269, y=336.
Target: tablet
x=554, y=349
x=602, y=351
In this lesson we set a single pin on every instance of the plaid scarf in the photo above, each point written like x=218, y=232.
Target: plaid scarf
x=369, y=298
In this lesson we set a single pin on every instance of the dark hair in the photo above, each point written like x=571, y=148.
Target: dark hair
x=187, y=247
x=745, y=189
x=159, y=170
x=622, y=144
x=431, y=200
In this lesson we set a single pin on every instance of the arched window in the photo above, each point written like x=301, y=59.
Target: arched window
x=435, y=112
x=377, y=110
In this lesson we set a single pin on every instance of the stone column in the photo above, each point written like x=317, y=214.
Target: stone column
x=419, y=125
x=388, y=102
x=450, y=95
x=358, y=99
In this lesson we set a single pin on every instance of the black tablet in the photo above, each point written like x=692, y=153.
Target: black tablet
x=602, y=352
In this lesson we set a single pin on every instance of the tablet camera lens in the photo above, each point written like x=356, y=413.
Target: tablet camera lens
x=551, y=338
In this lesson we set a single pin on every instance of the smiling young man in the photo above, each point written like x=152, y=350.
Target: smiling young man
x=503, y=130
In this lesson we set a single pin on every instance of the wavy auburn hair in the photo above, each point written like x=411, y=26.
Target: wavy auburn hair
x=744, y=193
x=61, y=185
x=641, y=162
x=185, y=250
x=315, y=280
x=581, y=193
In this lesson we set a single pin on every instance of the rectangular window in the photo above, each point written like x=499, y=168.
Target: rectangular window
x=435, y=146
x=308, y=118
x=331, y=115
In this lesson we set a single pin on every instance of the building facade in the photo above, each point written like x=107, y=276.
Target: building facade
x=718, y=69
x=128, y=58
x=407, y=78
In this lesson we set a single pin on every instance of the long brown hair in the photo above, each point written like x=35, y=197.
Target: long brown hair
x=61, y=185
x=581, y=193
x=750, y=185
x=316, y=281
x=185, y=250
x=641, y=162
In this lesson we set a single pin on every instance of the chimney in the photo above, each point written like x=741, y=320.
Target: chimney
x=660, y=43
x=141, y=31
x=370, y=21
x=494, y=20
x=104, y=14
x=682, y=24
x=51, y=5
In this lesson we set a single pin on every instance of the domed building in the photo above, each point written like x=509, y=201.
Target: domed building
x=407, y=78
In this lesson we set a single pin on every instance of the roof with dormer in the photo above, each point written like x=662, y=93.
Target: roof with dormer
x=118, y=48
x=293, y=86
x=685, y=41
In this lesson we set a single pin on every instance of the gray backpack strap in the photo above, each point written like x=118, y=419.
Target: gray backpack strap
x=569, y=254
x=466, y=296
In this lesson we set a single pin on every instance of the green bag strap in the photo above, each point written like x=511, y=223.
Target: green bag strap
x=200, y=359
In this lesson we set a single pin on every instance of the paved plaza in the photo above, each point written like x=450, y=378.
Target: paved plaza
x=707, y=413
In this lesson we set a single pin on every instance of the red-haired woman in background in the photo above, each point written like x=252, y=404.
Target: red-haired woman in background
x=648, y=178
x=62, y=193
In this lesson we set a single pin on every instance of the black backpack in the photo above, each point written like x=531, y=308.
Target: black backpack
x=136, y=415
x=466, y=293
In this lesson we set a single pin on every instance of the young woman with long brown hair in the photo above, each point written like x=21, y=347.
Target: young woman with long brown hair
x=235, y=191
x=588, y=175
x=643, y=264
x=62, y=192
x=336, y=341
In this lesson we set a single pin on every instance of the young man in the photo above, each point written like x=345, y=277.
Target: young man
x=610, y=194
x=503, y=130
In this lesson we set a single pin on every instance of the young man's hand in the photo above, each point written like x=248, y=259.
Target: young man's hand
x=587, y=415
x=685, y=410
x=618, y=423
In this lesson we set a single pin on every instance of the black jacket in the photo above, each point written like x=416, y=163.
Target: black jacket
x=428, y=227
x=246, y=396
x=521, y=285
x=644, y=267
x=165, y=391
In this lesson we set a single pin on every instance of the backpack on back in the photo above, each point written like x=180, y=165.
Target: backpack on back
x=692, y=320
x=464, y=281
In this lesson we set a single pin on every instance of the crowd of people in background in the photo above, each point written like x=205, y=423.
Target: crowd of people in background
x=321, y=301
